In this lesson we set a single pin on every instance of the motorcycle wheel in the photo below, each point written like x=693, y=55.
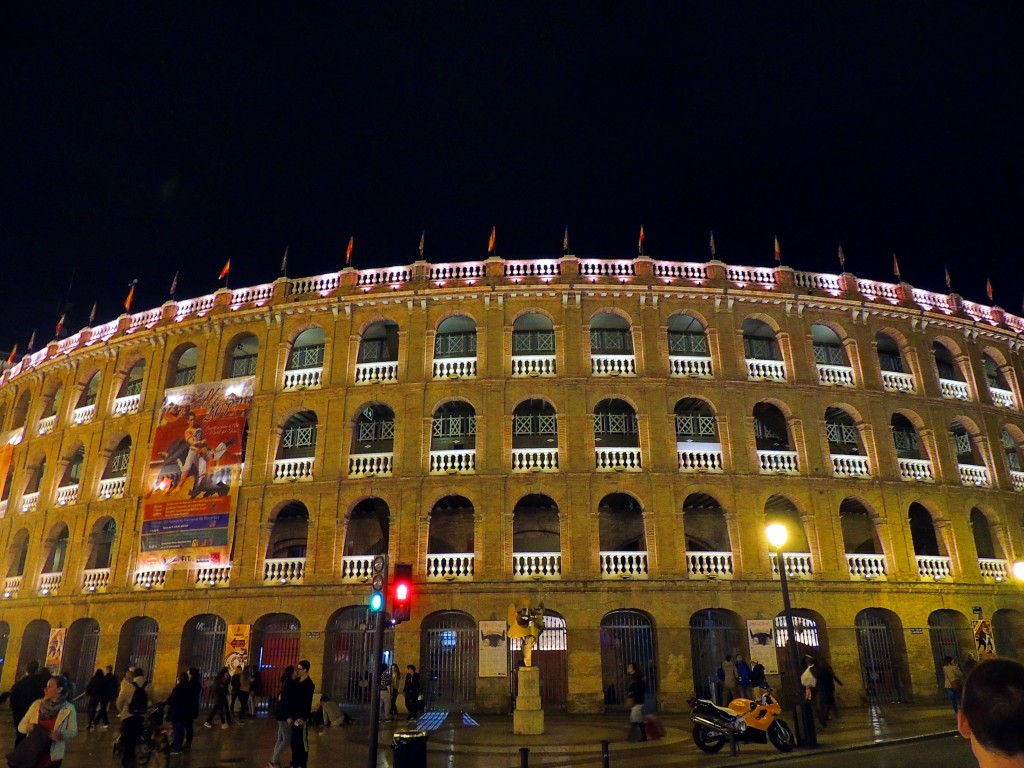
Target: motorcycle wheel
x=708, y=740
x=781, y=736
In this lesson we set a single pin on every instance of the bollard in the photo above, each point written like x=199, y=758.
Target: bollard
x=524, y=757
x=605, y=758
x=734, y=744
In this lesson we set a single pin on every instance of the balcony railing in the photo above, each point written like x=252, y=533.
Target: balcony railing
x=3, y=508
x=709, y=565
x=897, y=382
x=29, y=502
x=835, y=376
x=533, y=365
x=67, y=494
x=12, y=584
x=95, y=579
x=684, y=366
x=534, y=459
x=1002, y=397
x=798, y=565
x=370, y=464
x=617, y=459
x=213, y=575
x=972, y=474
x=624, y=565
x=844, y=465
x=455, y=566
x=284, y=570
x=303, y=378
x=934, y=568
x=1017, y=479
x=455, y=368
x=613, y=365
x=50, y=582
x=112, y=487
x=83, y=415
x=766, y=370
x=866, y=567
x=356, y=569
x=699, y=457
x=127, y=405
x=290, y=470
x=952, y=389
x=453, y=462
x=994, y=569
x=778, y=462
x=150, y=578
x=368, y=373
x=536, y=565
x=916, y=469
x=46, y=425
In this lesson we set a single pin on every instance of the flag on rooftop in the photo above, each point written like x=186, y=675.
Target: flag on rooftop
x=713, y=251
x=423, y=242
x=14, y=351
x=32, y=340
x=174, y=285
x=225, y=271
x=565, y=240
x=60, y=327
x=988, y=288
x=92, y=314
x=348, y=250
x=640, y=245
x=492, y=240
x=842, y=258
x=284, y=262
x=896, y=268
x=778, y=251
x=949, y=280
x=131, y=295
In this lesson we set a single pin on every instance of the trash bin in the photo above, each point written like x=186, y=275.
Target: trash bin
x=410, y=748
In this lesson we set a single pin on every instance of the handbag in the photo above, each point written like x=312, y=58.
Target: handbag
x=31, y=748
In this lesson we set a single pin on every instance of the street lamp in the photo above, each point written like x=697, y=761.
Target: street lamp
x=1018, y=570
x=777, y=535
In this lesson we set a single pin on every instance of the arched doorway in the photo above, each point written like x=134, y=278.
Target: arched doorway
x=550, y=656
x=950, y=634
x=202, y=647
x=811, y=640
x=275, y=645
x=713, y=634
x=80, y=652
x=136, y=645
x=450, y=660
x=627, y=636
x=33, y=643
x=882, y=655
x=1008, y=633
x=348, y=657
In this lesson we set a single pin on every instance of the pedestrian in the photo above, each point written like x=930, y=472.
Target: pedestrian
x=281, y=715
x=235, y=687
x=396, y=678
x=953, y=680
x=299, y=706
x=244, y=690
x=412, y=691
x=133, y=718
x=110, y=689
x=385, y=693
x=808, y=678
x=221, y=687
x=179, y=711
x=195, y=692
x=970, y=664
x=743, y=672
x=825, y=694
x=124, y=692
x=730, y=680
x=26, y=691
x=56, y=715
x=757, y=681
x=94, y=691
x=636, y=692
x=992, y=713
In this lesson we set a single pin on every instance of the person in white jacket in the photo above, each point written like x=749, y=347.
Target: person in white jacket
x=56, y=714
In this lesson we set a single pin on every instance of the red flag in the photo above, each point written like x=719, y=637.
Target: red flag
x=640, y=245
x=712, y=245
x=492, y=241
x=130, y=296
x=60, y=327
x=226, y=270
x=896, y=268
x=348, y=250
x=988, y=288
x=778, y=251
x=14, y=351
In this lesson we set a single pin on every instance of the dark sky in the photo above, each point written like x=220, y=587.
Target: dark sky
x=142, y=139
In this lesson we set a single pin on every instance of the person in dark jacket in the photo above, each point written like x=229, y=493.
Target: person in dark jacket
x=94, y=691
x=825, y=691
x=412, y=691
x=636, y=692
x=179, y=711
x=111, y=686
x=298, y=704
x=25, y=692
x=221, y=686
x=757, y=677
x=195, y=691
x=281, y=715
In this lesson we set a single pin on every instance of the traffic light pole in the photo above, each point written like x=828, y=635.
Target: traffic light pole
x=380, y=618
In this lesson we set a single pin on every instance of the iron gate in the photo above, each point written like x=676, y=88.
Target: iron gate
x=348, y=657
x=450, y=662
x=947, y=640
x=84, y=666
x=879, y=667
x=713, y=634
x=208, y=637
x=550, y=656
x=142, y=651
x=277, y=646
x=627, y=636
x=34, y=643
x=808, y=643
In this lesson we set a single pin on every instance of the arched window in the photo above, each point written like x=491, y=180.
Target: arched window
x=51, y=409
x=999, y=388
x=623, y=541
x=991, y=559
x=761, y=350
x=779, y=510
x=895, y=376
x=184, y=365
x=451, y=543
x=929, y=550
x=453, y=438
x=708, y=550
x=1013, y=452
x=455, y=348
x=698, y=446
x=297, y=450
x=377, y=359
x=536, y=538
x=366, y=536
x=130, y=395
x=67, y=491
x=286, y=550
x=952, y=383
x=21, y=411
x=373, y=442
x=775, y=451
x=830, y=357
x=616, y=437
x=611, y=346
x=688, y=352
x=58, y=550
x=968, y=457
x=101, y=541
x=534, y=437
x=845, y=446
x=305, y=367
x=18, y=554
x=242, y=356
x=30, y=499
x=533, y=345
x=864, y=555
x=115, y=474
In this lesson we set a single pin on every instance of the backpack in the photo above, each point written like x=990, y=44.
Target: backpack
x=140, y=700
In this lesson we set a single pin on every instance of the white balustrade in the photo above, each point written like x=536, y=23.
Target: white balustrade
x=455, y=368
x=357, y=568
x=624, y=565
x=936, y=568
x=817, y=281
x=686, y=271
x=534, y=459
x=835, y=375
x=369, y=373
x=613, y=365
x=897, y=382
x=83, y=415
x=744, y=275
x=290, y=470
x=798, y=565
x=29, y=502
x=1002, y=397
x=684, y=366
x=3, y=508
x=971, y=474
x=67, y=494
x=916, y=469
x=537, y=565
x=112, y=487
x=303, y=378
x=12, y=584
x=533, y=268
x=617, y=459
x=50, y=582
x=994, y=568
x=284, y=570
x=392, y=277
x=607, y=267
x=370, y=464
x=709, y=565
x=259, y=294
x=766, y=370
x=454, y=566
x=952, y=389
x=198, y=306
x=533, y=365
x=322, y=284
x=467, y=270
x=866, y=567
x=213, y=575
x=150, y=578
x=850, y=466
x=95, y=579
x=1017, y=478
x=778, y=462
x=873, y=289
x=453, y=462
x=46, y=425
x=127, y=405
x=699, y=457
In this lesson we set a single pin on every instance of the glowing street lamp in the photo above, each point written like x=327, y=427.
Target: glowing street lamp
x=1018, y=570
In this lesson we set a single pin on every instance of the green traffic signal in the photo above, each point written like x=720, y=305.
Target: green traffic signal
x=376, y=602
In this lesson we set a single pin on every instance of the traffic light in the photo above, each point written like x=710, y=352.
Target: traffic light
x=401, y=593
x=378, y=583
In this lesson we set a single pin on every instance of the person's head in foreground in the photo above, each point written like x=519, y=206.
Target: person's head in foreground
x=992, y=713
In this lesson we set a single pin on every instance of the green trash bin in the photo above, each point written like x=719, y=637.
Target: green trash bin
x=410, y=749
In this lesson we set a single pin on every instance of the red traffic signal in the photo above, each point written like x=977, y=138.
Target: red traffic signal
x=401, y=593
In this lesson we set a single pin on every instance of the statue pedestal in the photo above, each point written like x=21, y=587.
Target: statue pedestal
x=528, y=718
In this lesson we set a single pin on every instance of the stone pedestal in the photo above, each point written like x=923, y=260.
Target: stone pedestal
x=528, y=718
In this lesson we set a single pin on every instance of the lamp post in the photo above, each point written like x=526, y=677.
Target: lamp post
x=1018, y=570
x=804, y=718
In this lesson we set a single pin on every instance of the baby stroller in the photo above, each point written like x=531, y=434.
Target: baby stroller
x=154, y=736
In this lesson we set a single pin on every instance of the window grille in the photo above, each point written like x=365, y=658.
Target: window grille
x=185, y=376
x=806, y=631
x=611, y=341
x=454, y=426
x=890, y=362
x=905, y=439
x=759, y=349
x=119, y=462
x=841, y=433
x=75, y=472
x=534, y=425
x=244, y=365
x=299, y=437
x=692, y=344
x=764, y=432
x=615, y=424
x=133, y=387
x=372, y=350
x=461, y=344
x=376, y=430
x=962, y=443
x=1013, y=459
x=306, y=357
x=829, y=354
x=694, y=425
x=533, y=342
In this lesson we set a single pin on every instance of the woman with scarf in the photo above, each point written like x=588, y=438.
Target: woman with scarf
x=56, y=716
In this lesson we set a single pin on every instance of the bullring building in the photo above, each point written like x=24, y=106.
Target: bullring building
x=606, y=437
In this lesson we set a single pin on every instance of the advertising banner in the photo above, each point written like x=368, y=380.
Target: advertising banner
x=236, y=646
x=194, y=470
x=762, y=645
x=493, y=649
x=55, y=649
x=983, y=639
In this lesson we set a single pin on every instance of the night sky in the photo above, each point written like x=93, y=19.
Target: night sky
x=143, y=139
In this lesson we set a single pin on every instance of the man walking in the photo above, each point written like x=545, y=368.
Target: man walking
x=412, y=692
x=298, y=701
x=730, y=680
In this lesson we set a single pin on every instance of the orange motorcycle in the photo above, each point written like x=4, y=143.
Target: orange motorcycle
x=753, y=721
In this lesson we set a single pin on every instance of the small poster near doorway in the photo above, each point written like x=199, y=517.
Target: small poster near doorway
x=55, y=649
x=236, y=646
x=493, y=649
x=762, y=645
x=984, y=642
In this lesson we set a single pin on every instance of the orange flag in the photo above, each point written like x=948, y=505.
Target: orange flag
x=226, y=270
x=60, y=327
x=130, y=296
x=778, y=251
x=640, y=245
x=348, y=250
x=988, y=288
x=10, y=361
x=492, y=241
x=896, y=268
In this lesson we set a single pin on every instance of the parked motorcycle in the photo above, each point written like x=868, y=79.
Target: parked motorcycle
x=753, y=721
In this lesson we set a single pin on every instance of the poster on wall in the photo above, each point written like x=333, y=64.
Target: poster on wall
x=983, y=640
x=493, y=649
x=55, y=649
x=194, y=470
x=762, y=645
x=236, y=646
